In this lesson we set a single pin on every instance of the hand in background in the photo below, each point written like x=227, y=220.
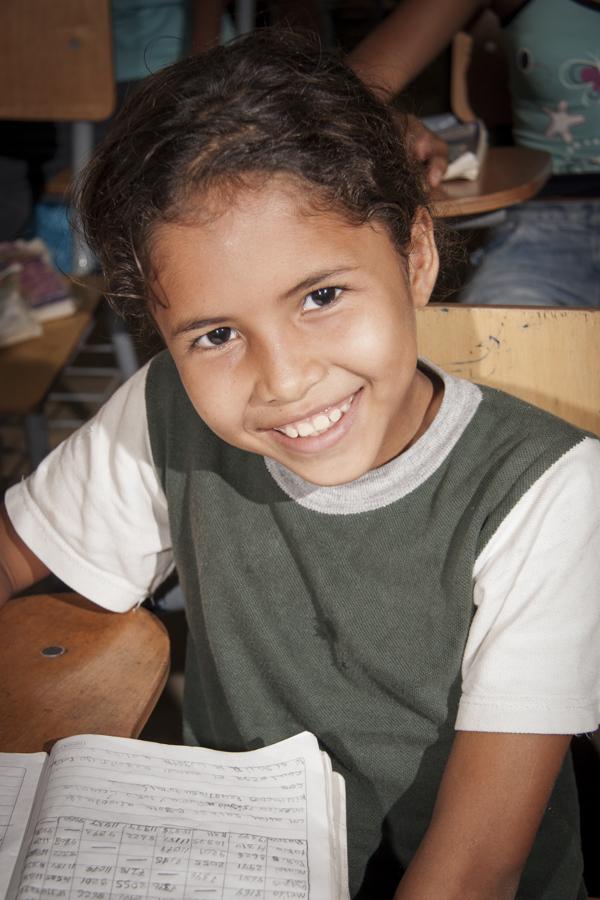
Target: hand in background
x=429, y=149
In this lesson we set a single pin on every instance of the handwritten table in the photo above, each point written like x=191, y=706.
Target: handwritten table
x=138, y=821
x=508, y=175
x=87, y=858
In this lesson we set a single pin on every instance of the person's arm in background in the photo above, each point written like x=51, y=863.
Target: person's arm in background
x=493, y=794
x=19, y=566
x=408, y=40
x=395, y=52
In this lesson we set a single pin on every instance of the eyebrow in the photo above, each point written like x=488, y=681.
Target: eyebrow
x=195, y=325
x=314, y=278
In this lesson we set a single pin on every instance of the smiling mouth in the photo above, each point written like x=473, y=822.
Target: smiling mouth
x=317, y=424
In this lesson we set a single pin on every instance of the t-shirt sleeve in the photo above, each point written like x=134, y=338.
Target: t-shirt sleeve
x=94, y=511
x=532, y=660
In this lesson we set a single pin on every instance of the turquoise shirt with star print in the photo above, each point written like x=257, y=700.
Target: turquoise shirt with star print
x=553, y=52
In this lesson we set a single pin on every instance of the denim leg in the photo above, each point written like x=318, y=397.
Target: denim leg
x=544, y=254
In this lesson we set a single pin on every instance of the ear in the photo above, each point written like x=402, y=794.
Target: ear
x=423, y=260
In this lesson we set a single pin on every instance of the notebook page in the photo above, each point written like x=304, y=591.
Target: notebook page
x=339, y=803
x=19, y=776
x=134, y=819
x=336, y=805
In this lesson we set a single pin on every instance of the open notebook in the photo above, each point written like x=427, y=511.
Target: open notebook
x=103, y=817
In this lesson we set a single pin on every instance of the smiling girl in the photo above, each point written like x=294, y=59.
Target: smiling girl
x=399, y=561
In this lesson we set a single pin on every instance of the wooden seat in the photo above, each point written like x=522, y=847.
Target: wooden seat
x=548, y=357
x=69, y=667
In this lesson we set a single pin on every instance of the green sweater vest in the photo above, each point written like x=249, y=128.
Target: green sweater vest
x=350, y=626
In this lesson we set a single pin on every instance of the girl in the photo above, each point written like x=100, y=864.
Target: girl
x=397, y=560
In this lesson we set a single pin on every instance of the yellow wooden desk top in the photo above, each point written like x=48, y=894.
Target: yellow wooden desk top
x=508, y=175
x=106, y=682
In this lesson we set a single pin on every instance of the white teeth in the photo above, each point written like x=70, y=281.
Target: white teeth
x=319, y=423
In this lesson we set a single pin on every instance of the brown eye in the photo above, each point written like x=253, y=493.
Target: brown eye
x=217, y=337
x=321, y=297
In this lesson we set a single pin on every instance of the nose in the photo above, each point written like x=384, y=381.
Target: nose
x=286, y=369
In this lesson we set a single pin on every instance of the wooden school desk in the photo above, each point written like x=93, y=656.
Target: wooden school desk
x=508, y=175
x=69, y=667
x=28, y=369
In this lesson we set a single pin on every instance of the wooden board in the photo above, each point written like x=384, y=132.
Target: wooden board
x=106, y=682
x=56, y=60
x=508, y=175
x=28, y=369
x=548, y=357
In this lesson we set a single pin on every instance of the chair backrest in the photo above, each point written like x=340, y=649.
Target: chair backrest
x=548, y=357
x=56, y=60
x=479, y=74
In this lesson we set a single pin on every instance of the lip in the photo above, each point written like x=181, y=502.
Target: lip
x=315, y=411
x=316, y=443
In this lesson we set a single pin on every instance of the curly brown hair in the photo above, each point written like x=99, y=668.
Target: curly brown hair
x=270, y=102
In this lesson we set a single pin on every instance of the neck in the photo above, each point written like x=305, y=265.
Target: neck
x=432, y=388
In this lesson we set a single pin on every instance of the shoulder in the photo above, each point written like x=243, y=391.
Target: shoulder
x=522, y=422
x=508, y=446
x=531, y=661
x=78, y=510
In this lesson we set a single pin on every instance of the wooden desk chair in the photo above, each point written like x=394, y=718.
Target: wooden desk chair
x=69, y=667
x=28, y=370
x=479, y=89
x=479, y=74
x=56, y=65
x=548, y=357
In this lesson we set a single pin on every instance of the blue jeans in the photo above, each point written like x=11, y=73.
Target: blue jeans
x=545, y=253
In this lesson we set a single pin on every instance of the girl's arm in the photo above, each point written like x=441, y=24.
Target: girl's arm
x=19, y=566
x=491, y=799
x=407, y=40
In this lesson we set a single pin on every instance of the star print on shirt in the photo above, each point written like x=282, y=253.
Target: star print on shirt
x=561, y=121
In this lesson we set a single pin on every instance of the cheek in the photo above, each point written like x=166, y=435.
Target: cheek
x=382, y=339
x=217, y=399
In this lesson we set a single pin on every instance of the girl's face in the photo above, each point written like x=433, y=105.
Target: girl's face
x=294, y=332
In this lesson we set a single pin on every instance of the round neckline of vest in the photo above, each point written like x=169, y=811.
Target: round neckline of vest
x=402, y=475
